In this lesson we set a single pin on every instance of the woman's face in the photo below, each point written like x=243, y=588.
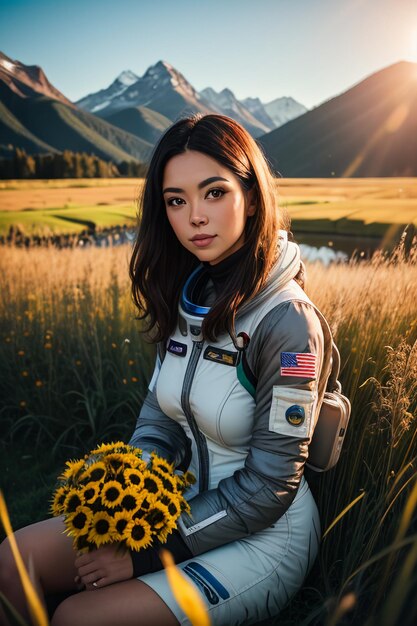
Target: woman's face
x=205, y=205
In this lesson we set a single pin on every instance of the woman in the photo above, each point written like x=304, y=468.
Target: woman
x=239, y=379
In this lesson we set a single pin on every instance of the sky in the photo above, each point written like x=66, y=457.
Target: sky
x=311, y=50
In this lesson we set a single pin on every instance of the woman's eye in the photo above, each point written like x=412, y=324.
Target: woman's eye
x=171, y=201
x=218, y=192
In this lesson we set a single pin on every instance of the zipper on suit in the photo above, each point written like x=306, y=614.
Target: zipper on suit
x=185, y=404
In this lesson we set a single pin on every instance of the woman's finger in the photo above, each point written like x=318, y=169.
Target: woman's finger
x=87, y=569
x=91, y=578
x=83, y=559
x=98, y=584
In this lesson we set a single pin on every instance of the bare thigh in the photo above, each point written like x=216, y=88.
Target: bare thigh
x=50, y=552
x=129, y=603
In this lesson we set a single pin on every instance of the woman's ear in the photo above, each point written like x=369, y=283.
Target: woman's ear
x=251, y=202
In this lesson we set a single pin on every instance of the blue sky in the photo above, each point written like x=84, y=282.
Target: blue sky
x=311, y=50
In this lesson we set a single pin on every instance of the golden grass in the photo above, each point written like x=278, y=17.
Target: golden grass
x=386, y=200
x=20, y=195
x=64, y=316
x=35, y=606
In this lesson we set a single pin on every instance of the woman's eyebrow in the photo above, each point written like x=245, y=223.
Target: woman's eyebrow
x=200, y=185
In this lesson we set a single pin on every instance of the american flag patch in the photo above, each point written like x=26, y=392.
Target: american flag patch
x=299, y=364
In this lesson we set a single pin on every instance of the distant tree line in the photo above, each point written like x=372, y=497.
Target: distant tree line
x=66, y=164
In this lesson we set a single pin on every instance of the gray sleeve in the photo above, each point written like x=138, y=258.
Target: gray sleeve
x=157, y=432
x=258, y=494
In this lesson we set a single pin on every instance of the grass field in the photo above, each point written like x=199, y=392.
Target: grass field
x=75, y=370
x=366, y=207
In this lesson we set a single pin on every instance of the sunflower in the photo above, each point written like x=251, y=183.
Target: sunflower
x=91, y=492
x=132, y=460
x=172, y=502
x=112, y=494
x=131, y=499
x=164, y=532
x=78, y=523
x=169, y=482
x=161, y=465
x=72, y=469
x=57, y=505
x=158, y=515
x=114, y=462
x=95, y=473
x=101, y=529
x=138, y=534
x=189, y=478
x=146, y=501
x=185, y=507
x=73, y=500
x=152, y=483
x=105, y=447
x=134, y=478
x=81, y=543
x=120, y=521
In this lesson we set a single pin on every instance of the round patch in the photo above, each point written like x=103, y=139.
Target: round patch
x=295, y=415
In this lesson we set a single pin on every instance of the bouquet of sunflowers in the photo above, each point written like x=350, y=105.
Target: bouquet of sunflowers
x=114, y=495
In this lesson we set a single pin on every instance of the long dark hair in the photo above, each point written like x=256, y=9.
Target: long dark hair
x=160, y=265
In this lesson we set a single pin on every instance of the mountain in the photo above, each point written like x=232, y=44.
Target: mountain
x=282, y=110
x=370, y=130
x=37, y=117
x=94, y=102
x=162, y=88
x=140, y=121
x=28, y=80
x=257, y=108
x=166, y=91
x=226, y=103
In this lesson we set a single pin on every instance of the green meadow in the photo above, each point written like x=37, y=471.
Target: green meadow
x=375, y=209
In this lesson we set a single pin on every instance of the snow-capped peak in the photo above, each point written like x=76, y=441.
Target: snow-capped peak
x=127, y=78
x=7, y=65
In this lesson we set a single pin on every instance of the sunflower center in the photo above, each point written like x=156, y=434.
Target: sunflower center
x=134, y=478
x=151, y=485
x=89, y=494
x=112, y=494
x=73, y=502
x=121, y=525
x=167, y=483
x=172, y=508
x=138, y=532
x=79, y=521
x=155, y=517
x=129, y=503
x=102, y=527
x=97, y=474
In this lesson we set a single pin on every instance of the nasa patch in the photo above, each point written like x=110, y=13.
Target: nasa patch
x=295, y=415
x=293, y=411
x=175, y=347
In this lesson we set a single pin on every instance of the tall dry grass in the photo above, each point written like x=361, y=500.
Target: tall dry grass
x=70, y=378
x=74, y=366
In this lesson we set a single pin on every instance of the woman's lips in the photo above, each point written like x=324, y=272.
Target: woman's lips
x=202, y=243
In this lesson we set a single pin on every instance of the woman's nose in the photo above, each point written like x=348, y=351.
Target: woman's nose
x=198, y=219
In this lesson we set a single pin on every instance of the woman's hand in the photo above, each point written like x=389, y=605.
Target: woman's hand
x=104, y=566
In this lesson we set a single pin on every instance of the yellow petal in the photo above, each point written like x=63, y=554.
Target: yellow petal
x=36, y=609
x=185, y=593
